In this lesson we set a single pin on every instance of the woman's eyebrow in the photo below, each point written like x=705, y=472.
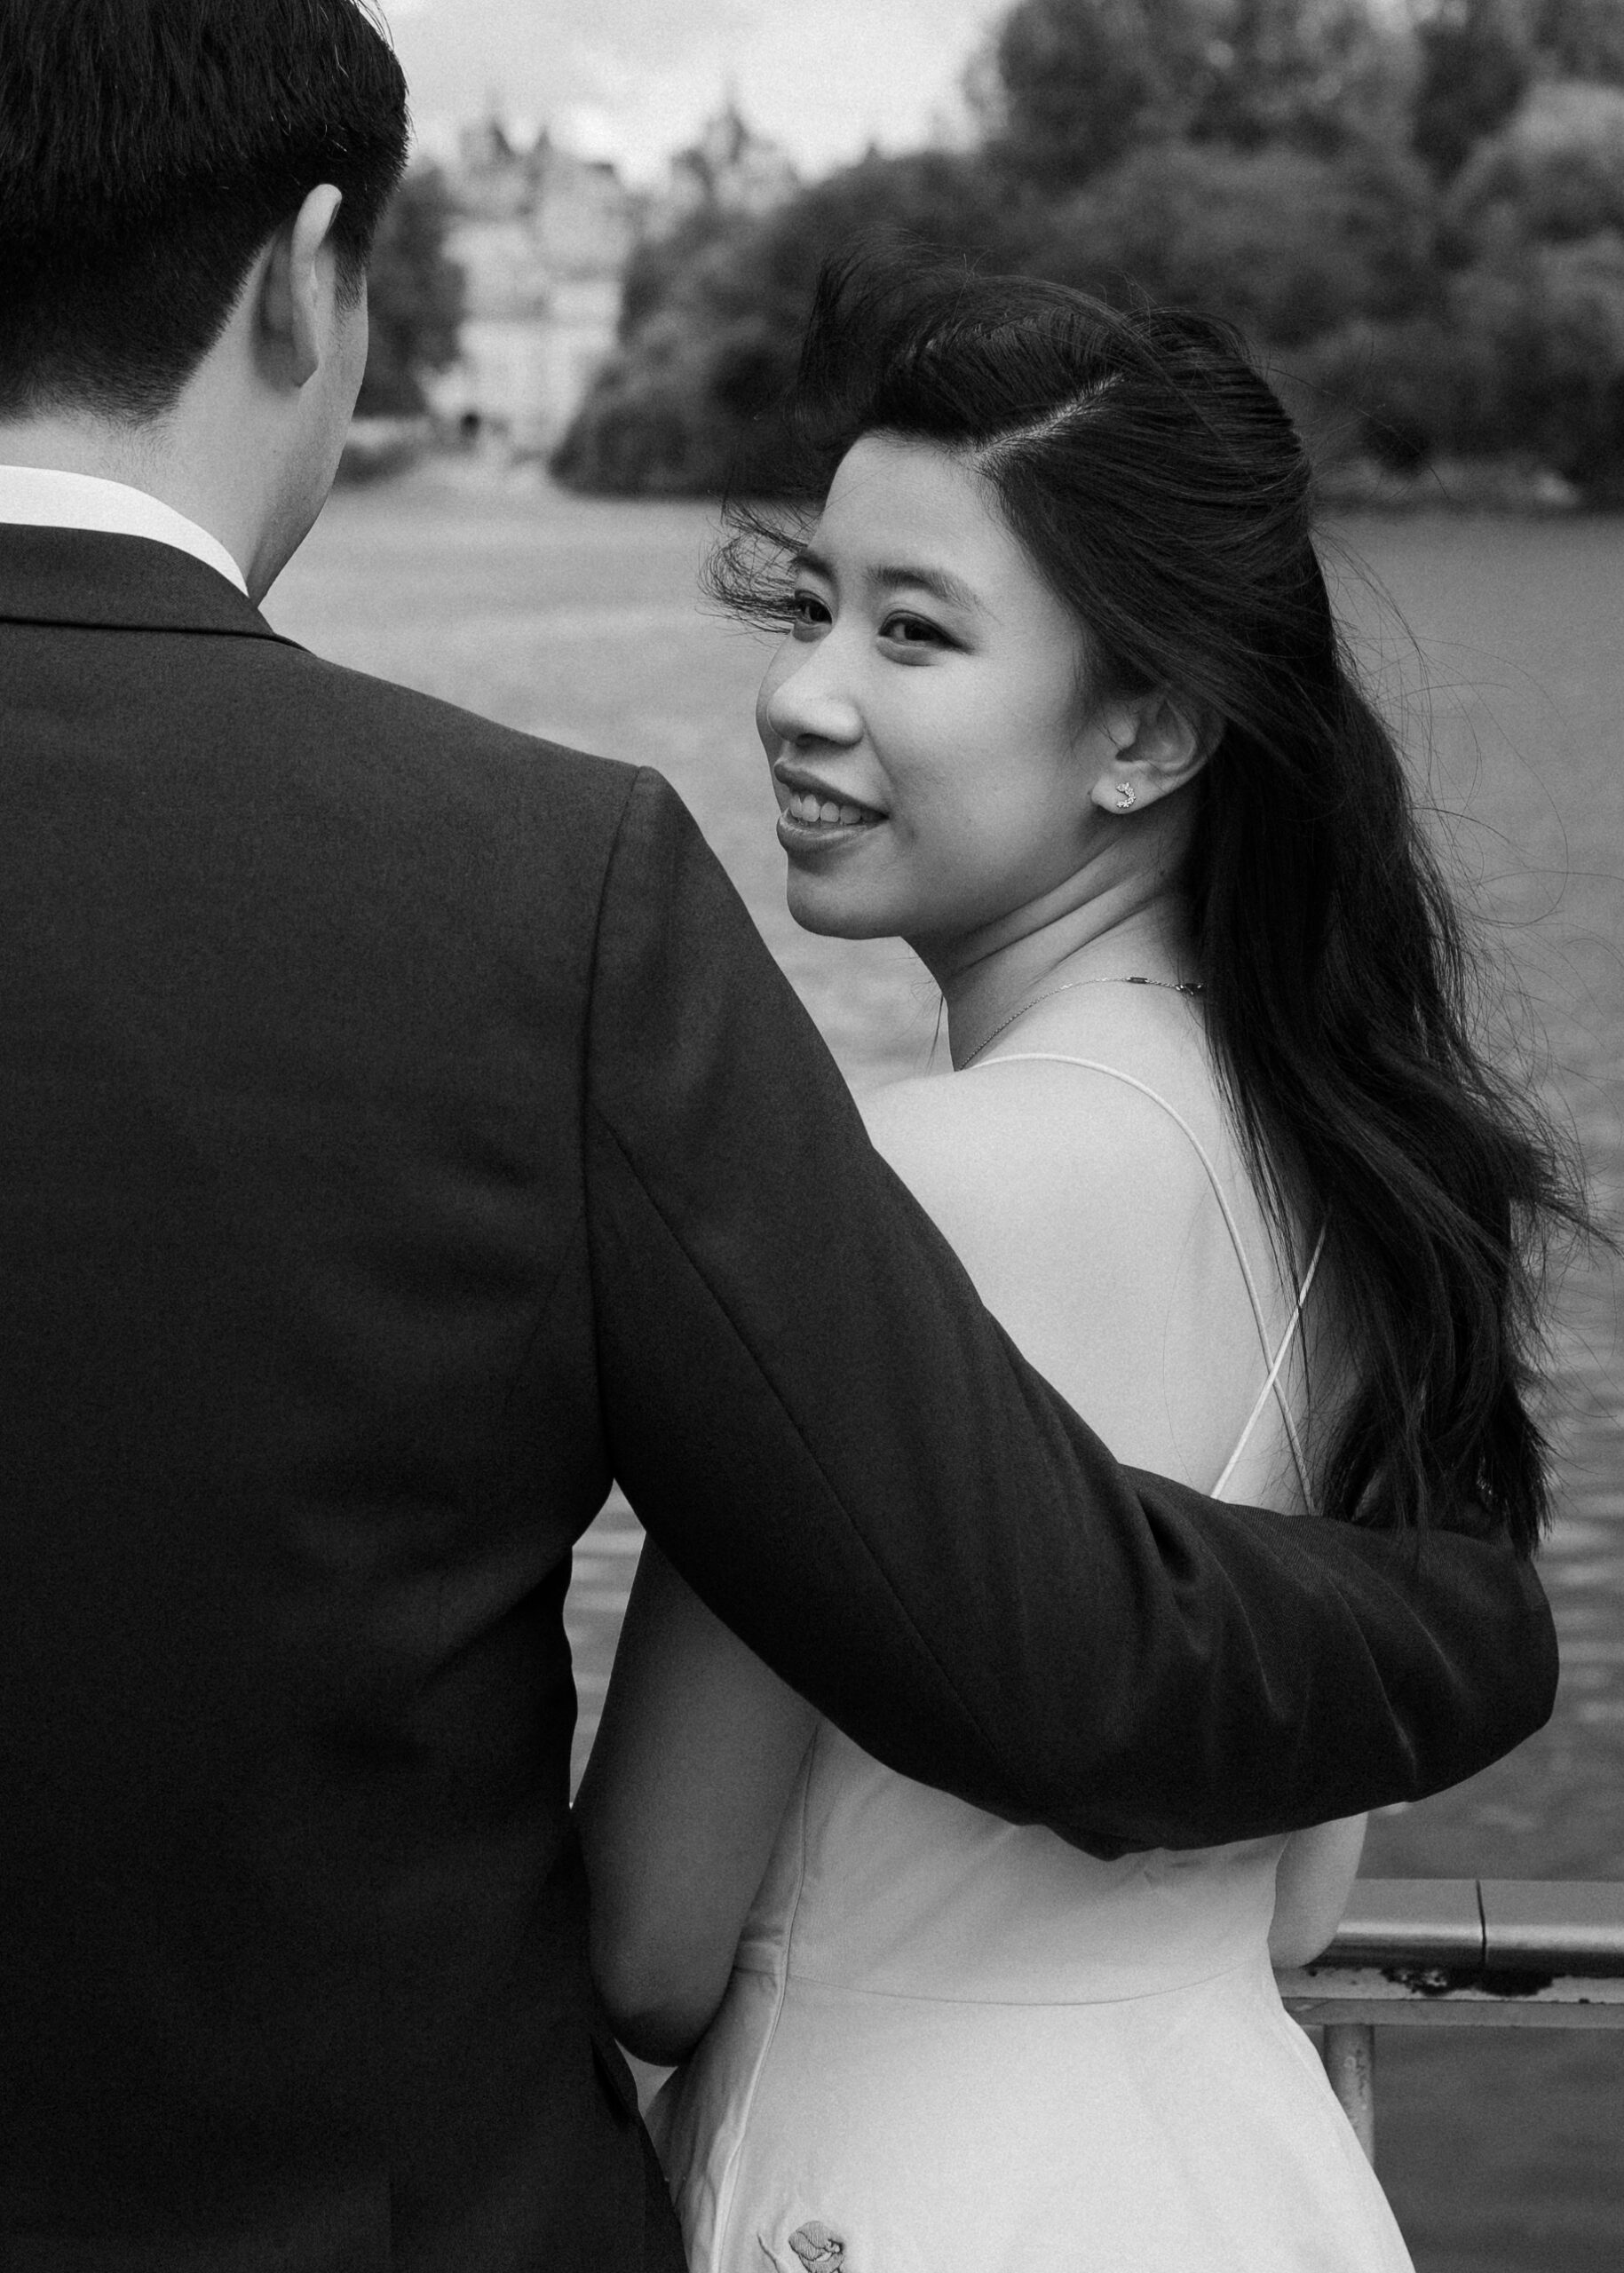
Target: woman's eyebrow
x=946, y=587
x=890, y=577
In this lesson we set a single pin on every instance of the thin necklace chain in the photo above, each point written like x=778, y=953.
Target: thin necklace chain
x=1171, y=985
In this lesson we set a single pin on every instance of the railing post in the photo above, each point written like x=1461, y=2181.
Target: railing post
x=1350, y=2056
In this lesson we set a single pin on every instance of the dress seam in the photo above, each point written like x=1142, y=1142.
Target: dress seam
x=1241, y=1965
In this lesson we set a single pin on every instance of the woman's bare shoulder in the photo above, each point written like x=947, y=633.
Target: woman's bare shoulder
x=1086, y=1218
x=1018, y=1132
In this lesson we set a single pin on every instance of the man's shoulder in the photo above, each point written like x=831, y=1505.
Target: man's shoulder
x=377, y=717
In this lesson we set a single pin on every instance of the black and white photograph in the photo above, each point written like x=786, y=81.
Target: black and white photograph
x=812, y=1136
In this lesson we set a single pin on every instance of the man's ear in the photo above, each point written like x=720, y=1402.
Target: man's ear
x=1158, y=742
x=300, y=289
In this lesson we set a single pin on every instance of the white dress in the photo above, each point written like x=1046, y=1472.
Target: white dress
x=951, y=2045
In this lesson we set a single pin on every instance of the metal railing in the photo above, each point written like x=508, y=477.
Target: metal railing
x=1458, y=1954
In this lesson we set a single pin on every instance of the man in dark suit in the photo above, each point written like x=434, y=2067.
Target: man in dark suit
x=405, y=1133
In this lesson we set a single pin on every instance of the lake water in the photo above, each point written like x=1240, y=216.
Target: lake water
x=1498, y=642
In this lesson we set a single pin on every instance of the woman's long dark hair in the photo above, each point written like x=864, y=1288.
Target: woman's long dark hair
x=1156, y=481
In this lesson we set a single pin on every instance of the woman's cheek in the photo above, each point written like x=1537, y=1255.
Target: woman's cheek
x=770, y=741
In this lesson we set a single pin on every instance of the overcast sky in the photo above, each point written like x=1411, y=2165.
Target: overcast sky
x=635, y=79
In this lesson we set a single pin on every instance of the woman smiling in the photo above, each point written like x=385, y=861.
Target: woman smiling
x=1060, y=700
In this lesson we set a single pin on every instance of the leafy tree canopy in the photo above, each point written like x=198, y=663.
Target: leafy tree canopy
x=415, y=297
x=1476, y=60
x=714, y=317
x=1422, y=224
x=1283, y=243
x=1555, y=173
x=1579, y=39
x=1323, y=76
x=1075, y=84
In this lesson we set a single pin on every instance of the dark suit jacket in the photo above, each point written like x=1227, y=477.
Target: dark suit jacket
x=404, y=1133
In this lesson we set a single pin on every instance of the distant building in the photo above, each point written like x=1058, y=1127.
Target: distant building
x=731, y=168
x=542, y=237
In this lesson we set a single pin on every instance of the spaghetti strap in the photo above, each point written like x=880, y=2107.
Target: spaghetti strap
x=1275, y=1360
x=1270, y=1387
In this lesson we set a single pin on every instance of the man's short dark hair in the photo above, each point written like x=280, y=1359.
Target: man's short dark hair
x=149, y=151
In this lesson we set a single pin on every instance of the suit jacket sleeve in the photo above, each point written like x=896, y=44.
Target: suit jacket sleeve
x=846, y=1458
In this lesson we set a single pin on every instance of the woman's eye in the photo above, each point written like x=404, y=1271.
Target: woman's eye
x=807, y=614
x=911, y=631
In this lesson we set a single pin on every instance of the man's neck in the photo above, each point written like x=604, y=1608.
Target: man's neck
x=133, y=456
x=141, y=457
x=159, y=457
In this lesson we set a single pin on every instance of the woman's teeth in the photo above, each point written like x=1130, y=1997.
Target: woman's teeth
x=822, y=812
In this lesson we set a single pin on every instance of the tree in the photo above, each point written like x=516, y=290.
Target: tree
x=1552, y=320
x=1554, y=174
x=1077, y=83
x=714, y=323
x=1478, y=60
x=1396, y=393
x=1281, y=244
x=1525, y=355
x=654, y=274
x=1579, y=39
x=1426, y=229
x=1321, y=76
x=1080, y=84
x=416, y=296
x=1475, y=66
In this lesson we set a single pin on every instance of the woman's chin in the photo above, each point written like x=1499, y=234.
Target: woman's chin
x=818, y=905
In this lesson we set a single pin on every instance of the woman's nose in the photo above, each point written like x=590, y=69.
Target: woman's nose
x=803, y=700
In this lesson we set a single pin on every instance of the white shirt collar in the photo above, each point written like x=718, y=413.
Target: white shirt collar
x=44, y=498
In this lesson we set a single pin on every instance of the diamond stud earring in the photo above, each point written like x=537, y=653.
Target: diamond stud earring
x=1127, y=796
